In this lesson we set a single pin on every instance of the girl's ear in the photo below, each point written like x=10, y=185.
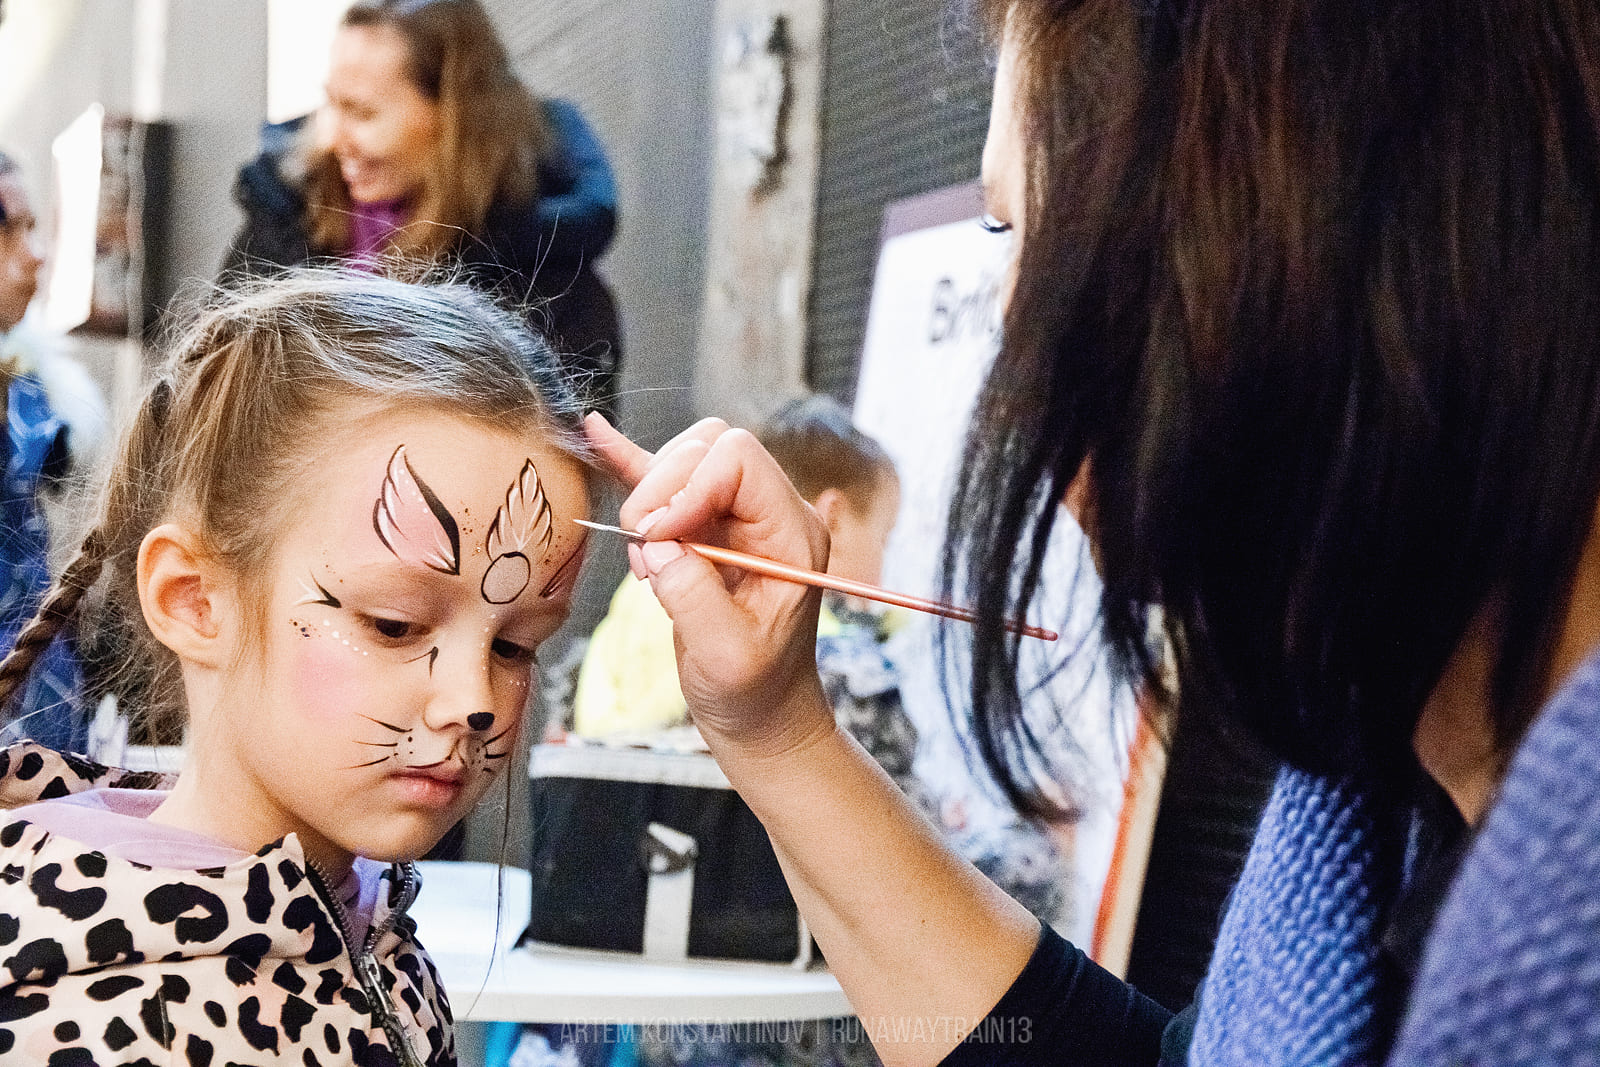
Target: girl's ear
x=184, y=599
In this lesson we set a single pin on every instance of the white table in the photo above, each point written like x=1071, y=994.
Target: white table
x=548, y=984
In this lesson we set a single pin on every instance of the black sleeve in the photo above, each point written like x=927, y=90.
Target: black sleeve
x=1062, y=1011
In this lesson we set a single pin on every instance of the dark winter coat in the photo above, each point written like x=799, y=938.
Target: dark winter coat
x=540, y=254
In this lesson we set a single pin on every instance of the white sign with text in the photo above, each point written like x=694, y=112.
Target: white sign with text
x=933, y=327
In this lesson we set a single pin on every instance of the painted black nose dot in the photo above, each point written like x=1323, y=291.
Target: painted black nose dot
x=480, y=720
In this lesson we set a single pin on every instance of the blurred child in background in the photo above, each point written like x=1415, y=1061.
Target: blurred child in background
x=55, y=420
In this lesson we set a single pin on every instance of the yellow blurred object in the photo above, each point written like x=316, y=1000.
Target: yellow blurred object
x=629, y=679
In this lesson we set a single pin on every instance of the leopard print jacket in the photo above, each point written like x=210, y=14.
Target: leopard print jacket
x=107, y=961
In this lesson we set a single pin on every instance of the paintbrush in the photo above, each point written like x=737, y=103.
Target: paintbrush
x=771, y=568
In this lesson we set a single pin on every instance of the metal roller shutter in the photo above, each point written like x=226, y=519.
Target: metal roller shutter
x=905, y=107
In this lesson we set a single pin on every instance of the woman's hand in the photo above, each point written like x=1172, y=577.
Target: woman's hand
x=746, y=644
x=910, y=930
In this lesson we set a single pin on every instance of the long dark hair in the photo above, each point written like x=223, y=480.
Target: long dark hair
x=1309, y=296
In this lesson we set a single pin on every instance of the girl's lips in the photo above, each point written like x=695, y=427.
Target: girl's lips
x=432, y=787
x=448, y=774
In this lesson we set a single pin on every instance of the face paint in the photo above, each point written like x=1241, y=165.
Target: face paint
x=566, y=576
x=390, y=689
x=419, y=750
x=523, y=526
x=315, y=594
x=412, y=522
x=431, y=656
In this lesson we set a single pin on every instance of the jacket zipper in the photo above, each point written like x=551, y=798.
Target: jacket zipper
x=365, y=963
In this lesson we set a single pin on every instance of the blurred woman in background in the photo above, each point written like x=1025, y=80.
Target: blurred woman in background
x=431, y=149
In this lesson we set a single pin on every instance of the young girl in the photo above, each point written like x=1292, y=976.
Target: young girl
x=344, y=515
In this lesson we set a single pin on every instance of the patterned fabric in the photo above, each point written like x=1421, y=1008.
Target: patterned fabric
x=103, y=960
x=864, y=687
x=1511, y=974
x=50, y=709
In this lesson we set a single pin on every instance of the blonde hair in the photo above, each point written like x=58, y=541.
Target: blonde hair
x=233, y=419
x=491, y=129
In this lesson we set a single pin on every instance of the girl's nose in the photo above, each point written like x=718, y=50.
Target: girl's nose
x=461, y=694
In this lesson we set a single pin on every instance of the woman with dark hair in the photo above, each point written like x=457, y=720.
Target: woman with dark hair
x=430, y=148
x=1305, y=326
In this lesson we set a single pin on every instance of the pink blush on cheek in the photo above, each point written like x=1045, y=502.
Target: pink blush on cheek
x=327, y=680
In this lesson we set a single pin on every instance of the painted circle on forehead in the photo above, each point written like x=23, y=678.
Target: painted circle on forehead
x=506, y=578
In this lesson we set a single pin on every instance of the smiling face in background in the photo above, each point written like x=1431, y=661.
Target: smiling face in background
x=427, y=559
x=20, y=256
x=382, y=128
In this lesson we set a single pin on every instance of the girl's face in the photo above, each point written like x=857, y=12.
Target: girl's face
x=379, y=125
x=428, y=558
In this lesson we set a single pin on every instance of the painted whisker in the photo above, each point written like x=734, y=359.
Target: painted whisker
x=374, y=763
x=385, y=725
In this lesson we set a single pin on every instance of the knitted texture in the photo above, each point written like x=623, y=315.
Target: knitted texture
x=1295, y=978
x=1511, y=975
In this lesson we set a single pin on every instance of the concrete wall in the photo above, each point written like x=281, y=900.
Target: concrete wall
x=759, y=230
x=196, y=65
x=56, y=58
x=213, y=92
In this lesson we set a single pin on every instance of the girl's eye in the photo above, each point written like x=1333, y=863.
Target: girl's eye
x=393, y=629
x=510, y=650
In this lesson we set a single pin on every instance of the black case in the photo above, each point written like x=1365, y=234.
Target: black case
x=591, y=808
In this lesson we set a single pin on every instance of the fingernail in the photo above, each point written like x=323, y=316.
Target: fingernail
x=650, y=520
x=636, y=561
x=657, y=554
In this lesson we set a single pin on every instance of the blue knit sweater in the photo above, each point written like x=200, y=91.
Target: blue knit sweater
x=1511, y=975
